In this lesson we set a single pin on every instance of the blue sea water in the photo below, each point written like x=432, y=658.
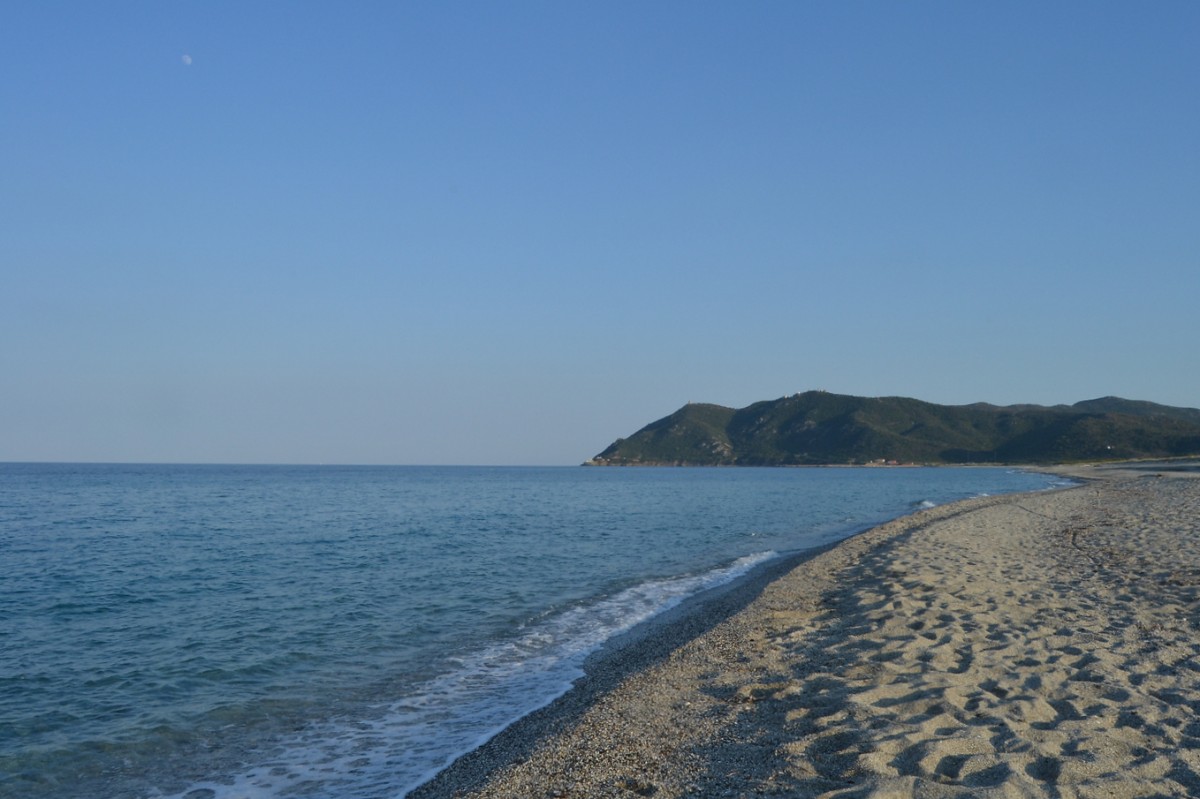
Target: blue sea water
x=237, y=632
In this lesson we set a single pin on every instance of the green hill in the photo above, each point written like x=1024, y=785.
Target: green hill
x=817, y=427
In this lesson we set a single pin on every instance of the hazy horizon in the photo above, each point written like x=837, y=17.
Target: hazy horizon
x=380, y=464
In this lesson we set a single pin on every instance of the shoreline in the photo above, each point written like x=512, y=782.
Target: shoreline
x=696, y=702
x=627, y=654
x=649, y=644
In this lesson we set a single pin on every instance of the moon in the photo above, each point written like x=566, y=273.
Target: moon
x=186, y=59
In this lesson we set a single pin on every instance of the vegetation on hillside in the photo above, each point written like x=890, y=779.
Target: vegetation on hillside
x=817, y=427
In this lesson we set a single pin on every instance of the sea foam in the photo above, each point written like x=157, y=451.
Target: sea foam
x=403, y=744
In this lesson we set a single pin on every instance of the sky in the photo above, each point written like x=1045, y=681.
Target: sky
x=510, y=232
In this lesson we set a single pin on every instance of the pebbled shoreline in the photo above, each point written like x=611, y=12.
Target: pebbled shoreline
x=1035, y=644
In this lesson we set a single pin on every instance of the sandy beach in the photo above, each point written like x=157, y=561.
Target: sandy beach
x=1029, y=645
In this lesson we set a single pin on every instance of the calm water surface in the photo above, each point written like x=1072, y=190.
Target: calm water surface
x=233, y=631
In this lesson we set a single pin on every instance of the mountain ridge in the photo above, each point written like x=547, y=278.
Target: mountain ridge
x=821, y=428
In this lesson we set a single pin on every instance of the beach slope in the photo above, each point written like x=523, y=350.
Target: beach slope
x=1029, y=645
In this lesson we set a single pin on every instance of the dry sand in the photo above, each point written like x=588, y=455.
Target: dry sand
x=1032, y=645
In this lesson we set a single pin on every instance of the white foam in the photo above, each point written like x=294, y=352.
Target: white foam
x=404, y=743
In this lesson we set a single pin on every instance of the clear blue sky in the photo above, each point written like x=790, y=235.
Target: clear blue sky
x=509, y=232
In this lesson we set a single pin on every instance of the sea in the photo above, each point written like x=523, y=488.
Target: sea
x=317, y=632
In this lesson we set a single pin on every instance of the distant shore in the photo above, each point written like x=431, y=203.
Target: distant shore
x=1033, y=644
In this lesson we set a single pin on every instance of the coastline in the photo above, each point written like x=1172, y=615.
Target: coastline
x=950, y=651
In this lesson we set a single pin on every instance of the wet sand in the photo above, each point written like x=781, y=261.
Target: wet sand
x=1031, y=645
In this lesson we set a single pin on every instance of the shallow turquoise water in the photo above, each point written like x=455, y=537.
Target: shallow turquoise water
x=235, y=631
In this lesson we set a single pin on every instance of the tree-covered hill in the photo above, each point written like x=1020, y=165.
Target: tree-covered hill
x=817, y=427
